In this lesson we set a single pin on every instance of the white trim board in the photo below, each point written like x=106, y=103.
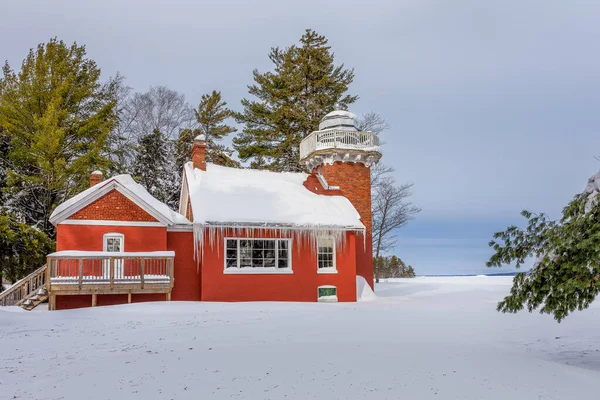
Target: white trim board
x=180, y=228
x=102, y=191
x=103, y=222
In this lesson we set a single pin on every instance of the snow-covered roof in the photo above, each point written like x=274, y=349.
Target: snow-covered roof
x=232, y=196
x=131, y=189
x=338, y=119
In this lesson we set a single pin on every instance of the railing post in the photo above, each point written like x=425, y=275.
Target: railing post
x=80, y=273
x=48, y=273
x=142, y=272
x=111, y=266
x=171, y=264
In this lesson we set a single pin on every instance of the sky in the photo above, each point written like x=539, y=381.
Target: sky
x=494, y=106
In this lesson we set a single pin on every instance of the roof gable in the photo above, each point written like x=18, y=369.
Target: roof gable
x=126, y=186
x=113, y=206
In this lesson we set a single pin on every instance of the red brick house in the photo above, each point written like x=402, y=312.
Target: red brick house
x=239, y=235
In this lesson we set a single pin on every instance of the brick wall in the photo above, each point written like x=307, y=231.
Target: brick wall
x=354, y=180
x=113, y=206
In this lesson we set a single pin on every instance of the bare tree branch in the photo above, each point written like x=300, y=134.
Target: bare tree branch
x=372, y=122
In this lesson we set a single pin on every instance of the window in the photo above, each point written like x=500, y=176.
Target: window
x=327, y=294
x=113, y=242
x=326, y=254
x=257, y=254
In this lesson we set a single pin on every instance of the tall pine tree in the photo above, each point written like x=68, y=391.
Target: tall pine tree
x=57, y=114
x=290, y=102
x=155, y=169
x=211, y=114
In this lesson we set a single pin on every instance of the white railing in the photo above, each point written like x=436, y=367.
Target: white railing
x=338, y=139
x=73, y=270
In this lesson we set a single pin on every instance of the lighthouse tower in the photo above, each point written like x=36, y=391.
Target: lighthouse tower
x=340, y=156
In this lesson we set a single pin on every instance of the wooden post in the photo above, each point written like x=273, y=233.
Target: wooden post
x=112, y=272
x=142, y=272
x=94, y=299
x=169, y=295
x=171, y=264
x=52, y=302
x=48, y=273
x=129, y=297
x=80, y=273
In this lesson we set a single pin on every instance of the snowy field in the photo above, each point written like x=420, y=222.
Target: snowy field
x=425, y=338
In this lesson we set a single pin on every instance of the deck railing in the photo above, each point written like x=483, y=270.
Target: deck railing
x=338, y=139
x=103, y=272
x=18, y=292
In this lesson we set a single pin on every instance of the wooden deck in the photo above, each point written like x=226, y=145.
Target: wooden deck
x=97, y=273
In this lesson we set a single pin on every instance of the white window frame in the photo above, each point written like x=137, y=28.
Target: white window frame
x=113, y=235
x=329, y=299
x=327, y=270
x=257, y=270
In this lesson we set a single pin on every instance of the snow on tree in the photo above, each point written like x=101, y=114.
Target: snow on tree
x=23, y=249
x=58, y=115
x=140, y=117
x=290, y=102
x=155, y=168
x=566, y=274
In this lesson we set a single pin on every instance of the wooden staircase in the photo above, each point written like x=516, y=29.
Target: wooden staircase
x=27, y=293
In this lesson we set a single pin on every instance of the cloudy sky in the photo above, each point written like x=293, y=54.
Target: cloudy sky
x=494, y=105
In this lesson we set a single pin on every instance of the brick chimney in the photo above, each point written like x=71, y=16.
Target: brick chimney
x=199, y=152
x=95, y=178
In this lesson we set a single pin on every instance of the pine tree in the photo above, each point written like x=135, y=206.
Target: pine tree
x=155, y=169
x=566, y=274
x=4, y=165
x=57, y=114
x=290, y=102
x=211, y=114
x=23, y=249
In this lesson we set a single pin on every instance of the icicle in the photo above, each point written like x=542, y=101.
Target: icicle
x=301, y=234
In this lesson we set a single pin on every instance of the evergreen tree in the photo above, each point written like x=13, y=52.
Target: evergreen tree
x=155, y=169
x=23, y=249
x=391, y=267
x=566, y=274
x=57, y=114
x=290, y=102
x=4, y=164
x=211, y=114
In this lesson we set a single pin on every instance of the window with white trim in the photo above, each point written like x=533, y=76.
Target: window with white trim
x=257, y=253
x=326, y=253
x=113, y=242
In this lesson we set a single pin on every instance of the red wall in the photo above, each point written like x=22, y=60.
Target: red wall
x=68, y=302
x=354, y=180
x=89, y=237
x=301, y=285
x=187, y=274
x=207, y=281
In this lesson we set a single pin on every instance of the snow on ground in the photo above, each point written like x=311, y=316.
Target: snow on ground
x=423, y=338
